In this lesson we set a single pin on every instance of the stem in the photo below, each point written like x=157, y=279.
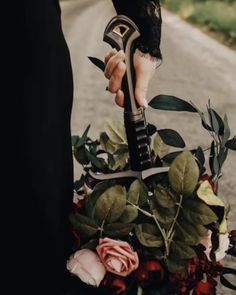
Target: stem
x=176, y=217
x=101, y=228
x=141, y=210
x=163, y=233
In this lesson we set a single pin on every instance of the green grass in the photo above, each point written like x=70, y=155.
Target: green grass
x=215, y=15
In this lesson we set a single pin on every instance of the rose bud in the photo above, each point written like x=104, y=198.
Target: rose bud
x=117, y=256
x=154, y=266
x=86, y=265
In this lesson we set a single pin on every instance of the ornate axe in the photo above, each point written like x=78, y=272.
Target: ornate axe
x=122, y=33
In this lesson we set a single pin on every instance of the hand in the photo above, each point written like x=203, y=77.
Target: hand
x=115, y=70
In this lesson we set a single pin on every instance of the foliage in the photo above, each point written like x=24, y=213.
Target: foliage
x=163, y=220
x=217, y=15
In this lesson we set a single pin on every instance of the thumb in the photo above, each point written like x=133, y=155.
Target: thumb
x=141, y=88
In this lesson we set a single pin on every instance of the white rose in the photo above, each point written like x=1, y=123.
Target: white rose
x=87, y=265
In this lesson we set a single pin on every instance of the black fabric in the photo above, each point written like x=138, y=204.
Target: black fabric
x=147, y=16
x=37, y=167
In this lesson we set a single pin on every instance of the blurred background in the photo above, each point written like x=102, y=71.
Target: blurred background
x=199, y=63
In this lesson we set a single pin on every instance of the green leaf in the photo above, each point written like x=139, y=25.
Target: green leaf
x=174, y=266
x=184, y=174
x=171, y=103
x=118, y=230
x=80, y=155
x=163, y=215
x=138, y=193
x=129, y=215
x=206, y=194
x=106, y=144
x=231, y=144
x=85, y=225
x=120, y=161
x=171, y=137
x=226, y=130
x=148, y=235
x=82, y=140
x=216, y=122
x=78, y=184
x=94, y=160
x=199, y=213
x=199, y=155
x=160, y=148
x=115, y=130
x=171, y=156
x=182, y=251
x=163, y=198
x=111, y=204
x=74, y=140
x=189, y=233
x=97, y=62
x=99, y=189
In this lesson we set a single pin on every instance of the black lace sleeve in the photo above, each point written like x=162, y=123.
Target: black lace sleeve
x=147, y=15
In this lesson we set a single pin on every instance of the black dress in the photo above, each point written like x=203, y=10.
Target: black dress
x=38, y=240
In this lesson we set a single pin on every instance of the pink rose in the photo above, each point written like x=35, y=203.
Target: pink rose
x=86, y=265
x=117, y=256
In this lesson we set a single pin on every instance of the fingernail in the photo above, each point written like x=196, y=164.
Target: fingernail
x=145, y=103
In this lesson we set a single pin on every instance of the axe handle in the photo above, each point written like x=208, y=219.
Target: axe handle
x=122, y=33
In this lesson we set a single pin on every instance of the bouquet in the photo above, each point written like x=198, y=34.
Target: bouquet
x=165, y=235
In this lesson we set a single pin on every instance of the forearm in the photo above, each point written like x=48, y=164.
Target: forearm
x=147, y=15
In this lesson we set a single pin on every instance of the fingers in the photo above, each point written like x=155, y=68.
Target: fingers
x=120, y=98
x=113, y=62
x=141, y=88
x=116, y=78
x=109, y=55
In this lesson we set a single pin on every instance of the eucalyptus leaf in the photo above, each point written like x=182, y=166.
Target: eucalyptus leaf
x=78, y=184
x=85, y=225
x=138, y=193
x=171, y=103
x=94, y=160
x=199, y=213
x=148, y=235
x=216, y=122
x=199, y=155
x=231, y=144
x=97, y=62
x=110, y=205
x=226, y=134
x=151, y=129
x=184, y=174
x=171, y=137
x=169, y=158
x=212, y=157
x=118, y=230
x=80, y=155
x=106, y=144
x=129, y=215
x=82, y=140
